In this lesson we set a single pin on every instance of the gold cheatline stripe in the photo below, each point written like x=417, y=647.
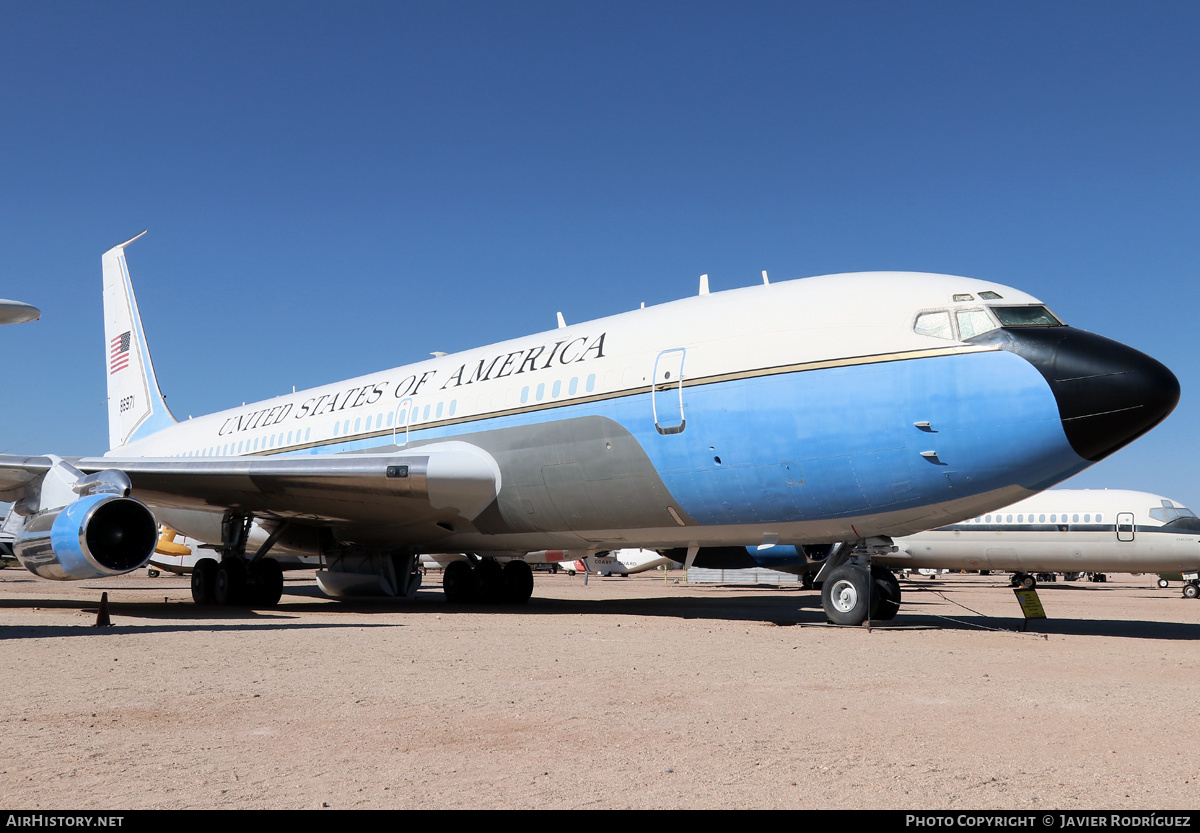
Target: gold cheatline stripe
x=777, y=370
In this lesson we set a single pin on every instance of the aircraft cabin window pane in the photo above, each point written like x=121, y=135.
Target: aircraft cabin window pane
x=1009, y=519
x=1099, y=519
x=336, y=429
x=557, y=389
x=439, y=410
x=1074, y=519
x=591, y=382
x=390, y=417
x=1087, y=519
x=1026, y=317
x=346, y=427
x=1020, y=519
x=1041, y=519
x=541, y=391
x=524, y=395
x=574, y=386
x=307, y=434
x=357, y=425
x=973, y=322
x=936, y=324
x=425, y=413
x=989, y=518
x=453, y=406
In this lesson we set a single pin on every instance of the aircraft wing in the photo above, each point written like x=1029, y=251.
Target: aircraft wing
x=428, y=484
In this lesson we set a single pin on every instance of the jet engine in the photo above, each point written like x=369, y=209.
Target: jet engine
x=96, y=536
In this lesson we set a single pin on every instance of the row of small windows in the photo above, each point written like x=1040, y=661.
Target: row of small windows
x=248, y=446
x=391, y=418
x=556, y=389
x=1041, y=519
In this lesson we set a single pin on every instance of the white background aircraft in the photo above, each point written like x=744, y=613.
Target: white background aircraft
x=1064, y=530
x=838, y=409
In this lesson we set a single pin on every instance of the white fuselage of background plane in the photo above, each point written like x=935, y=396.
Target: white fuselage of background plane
x=1064, y=530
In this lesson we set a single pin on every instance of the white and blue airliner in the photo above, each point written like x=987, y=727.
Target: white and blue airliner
x=839, y=411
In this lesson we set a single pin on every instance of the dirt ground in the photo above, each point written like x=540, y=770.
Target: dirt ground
x=642, y=692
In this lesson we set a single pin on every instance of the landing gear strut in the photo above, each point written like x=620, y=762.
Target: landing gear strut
x=236, y=580
x=853, y=590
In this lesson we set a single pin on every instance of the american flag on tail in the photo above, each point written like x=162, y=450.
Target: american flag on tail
x=118, y=353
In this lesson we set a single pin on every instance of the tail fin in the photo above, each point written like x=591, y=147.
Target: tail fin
x=136, y=408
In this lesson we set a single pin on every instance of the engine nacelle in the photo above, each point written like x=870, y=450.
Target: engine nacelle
x=96, y=536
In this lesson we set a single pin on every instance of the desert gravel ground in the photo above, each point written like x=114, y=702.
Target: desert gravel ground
x=642, y=692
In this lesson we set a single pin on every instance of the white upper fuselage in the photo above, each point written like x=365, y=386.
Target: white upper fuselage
x=1065, y=530
x=838, y=319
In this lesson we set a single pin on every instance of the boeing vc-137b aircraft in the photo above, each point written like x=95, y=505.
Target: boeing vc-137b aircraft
x=839, y=409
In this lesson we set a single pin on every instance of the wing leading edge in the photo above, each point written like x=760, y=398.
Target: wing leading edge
x=436, y=483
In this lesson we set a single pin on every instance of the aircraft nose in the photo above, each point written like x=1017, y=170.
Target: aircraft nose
x=1108, y=394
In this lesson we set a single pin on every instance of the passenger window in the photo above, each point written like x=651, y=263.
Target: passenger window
x=936, y=324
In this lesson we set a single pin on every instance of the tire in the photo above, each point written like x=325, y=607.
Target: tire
x=887, y=588
x=268, y=583
x=458, y=582
x=518, y=582
x=230, y=586
x=845, y=595
x=1163, y=583
x=204, y=581
x=1028, y=582
x=1191, y=591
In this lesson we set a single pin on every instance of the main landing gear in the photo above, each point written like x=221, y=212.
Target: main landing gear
x=1025, y=580
x=236, y=580
x=855, y=591
x=484, y=580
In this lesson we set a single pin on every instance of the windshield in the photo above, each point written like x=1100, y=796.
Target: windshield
x=1026, y=317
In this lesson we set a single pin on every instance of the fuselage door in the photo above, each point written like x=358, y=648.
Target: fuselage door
x=1124, y=526
x=403, y=419
x=667, y=391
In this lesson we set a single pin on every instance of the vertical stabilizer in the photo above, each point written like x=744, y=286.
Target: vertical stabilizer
x=135, y=404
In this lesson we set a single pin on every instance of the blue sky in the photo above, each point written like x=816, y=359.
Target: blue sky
x=334, y=189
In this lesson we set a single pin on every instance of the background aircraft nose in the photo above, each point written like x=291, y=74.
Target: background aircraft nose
x=1108, y=394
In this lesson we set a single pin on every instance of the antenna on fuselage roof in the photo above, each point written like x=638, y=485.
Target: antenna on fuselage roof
x=704, y=284
x=766, y=281
x=561, y=321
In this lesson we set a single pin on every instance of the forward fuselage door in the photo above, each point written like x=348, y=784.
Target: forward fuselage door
x=667, y=391
x=1124, y=526
x=404, y=418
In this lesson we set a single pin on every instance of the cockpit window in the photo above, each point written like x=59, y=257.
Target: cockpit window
x=1167, y=513
x=988, y=295
x=935, y=324
x=1026, y=317
x=972, y=322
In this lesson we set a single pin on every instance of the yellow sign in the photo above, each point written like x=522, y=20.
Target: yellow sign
x=1031, y=605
